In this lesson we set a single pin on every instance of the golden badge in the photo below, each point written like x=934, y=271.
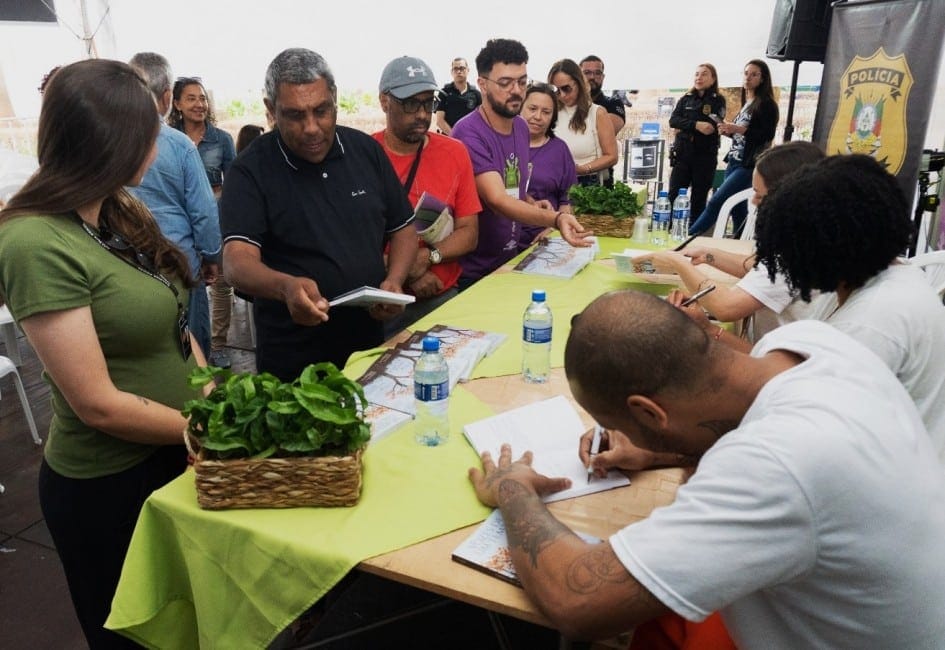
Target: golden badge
x=871, y=114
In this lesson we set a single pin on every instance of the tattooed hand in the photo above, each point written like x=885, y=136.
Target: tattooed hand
x=488, y=480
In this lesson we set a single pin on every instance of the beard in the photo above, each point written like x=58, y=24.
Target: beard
x=502, y=109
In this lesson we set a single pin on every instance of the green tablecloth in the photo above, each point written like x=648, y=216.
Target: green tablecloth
x=236, y=578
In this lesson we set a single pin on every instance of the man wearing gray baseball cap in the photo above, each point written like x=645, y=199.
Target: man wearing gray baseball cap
x=432, y=164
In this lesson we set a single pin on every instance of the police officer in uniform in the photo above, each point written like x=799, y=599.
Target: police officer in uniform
x=694, y=153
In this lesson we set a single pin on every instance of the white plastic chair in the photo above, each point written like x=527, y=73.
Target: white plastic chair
x=6, y=368
x=934, y=266
x=748, y=232
x=8, y=331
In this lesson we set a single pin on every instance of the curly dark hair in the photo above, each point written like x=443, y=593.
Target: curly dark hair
x=499, y=50
x=841, y=220
x=175, y=118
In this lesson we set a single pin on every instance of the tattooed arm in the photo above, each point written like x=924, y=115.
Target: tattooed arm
x=582, y=588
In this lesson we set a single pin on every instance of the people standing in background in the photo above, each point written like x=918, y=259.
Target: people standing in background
x=551, y=168
x=585, y=126
x=430, y=163
x=458, y=98
x=695, y=152
x=496, y=138
x=193, y=115
x=307, y=210
x=178, y=194
x=840, y=226
x=101, y=295
x=752, y=132
x=593, y=68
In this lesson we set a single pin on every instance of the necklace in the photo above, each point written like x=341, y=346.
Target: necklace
x=489, y=122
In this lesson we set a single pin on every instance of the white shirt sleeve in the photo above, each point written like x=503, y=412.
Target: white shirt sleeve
x=740, y=524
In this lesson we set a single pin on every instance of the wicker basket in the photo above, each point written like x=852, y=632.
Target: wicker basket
x=606, y=225
x=276, y=482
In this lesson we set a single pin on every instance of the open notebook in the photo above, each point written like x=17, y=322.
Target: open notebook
x=551, y=430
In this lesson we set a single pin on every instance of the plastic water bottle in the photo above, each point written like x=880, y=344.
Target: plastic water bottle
x=536, y=339
x=681, y=216
x=431, y=390
x=661, y=215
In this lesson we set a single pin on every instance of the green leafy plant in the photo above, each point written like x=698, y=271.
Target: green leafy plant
x=619, y=201
x=259, y=416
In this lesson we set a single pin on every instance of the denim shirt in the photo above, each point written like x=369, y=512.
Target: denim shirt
x=176, y=191
x=217, y=152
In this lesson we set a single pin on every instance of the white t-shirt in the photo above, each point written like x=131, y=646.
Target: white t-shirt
x=818, y=522
x=781, y=305
x=898, y=315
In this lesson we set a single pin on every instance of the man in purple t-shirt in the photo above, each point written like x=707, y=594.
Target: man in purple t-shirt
x=497, y=140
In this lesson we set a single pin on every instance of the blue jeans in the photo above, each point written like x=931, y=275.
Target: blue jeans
x=198, y=317
x=737, y=178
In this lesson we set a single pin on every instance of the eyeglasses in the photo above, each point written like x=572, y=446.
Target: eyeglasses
x=459, y=68
x=506, y=83
x=593, y=73
x=412, y=105
x=565, y=89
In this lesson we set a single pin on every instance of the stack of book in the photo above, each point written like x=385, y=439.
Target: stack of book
x=388, y=382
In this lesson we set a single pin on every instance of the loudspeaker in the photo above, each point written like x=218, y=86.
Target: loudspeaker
x=799, y=30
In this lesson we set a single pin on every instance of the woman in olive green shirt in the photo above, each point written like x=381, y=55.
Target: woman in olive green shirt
x=99, y=293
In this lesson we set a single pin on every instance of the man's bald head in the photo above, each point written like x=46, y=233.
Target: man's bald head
x=632, y=343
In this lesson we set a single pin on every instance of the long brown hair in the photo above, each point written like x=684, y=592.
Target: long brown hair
x=97, y=126
x=578, y=122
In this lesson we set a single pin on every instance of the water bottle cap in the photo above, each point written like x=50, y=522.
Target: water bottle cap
x=538, y=295
x=431, y=344
x=664, y=192
x=683, y=191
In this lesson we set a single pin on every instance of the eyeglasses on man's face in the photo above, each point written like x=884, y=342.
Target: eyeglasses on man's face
x=459, y=68
x=412, y=105
x=506, y=83
x=593, y=73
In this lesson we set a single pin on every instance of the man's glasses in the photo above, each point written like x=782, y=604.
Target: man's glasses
x=506, y=83
x=565, y=89
x=411, y=105
x=593, y=73
x=459, y=68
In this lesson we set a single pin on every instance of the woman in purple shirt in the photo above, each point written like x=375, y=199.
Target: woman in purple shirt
x=551, y=170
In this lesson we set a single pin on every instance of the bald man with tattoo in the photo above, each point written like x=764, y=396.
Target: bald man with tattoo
x=814, y=518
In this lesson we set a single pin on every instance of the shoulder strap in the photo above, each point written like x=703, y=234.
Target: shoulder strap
x=413, y=168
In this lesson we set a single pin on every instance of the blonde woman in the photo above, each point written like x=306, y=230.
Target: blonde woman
x=585, y=126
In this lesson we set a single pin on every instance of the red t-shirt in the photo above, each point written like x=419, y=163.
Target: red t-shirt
x=445, y=171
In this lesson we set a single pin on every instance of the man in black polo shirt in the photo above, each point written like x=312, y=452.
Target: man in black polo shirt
x=306, y=212
x=593, y=69
x=457, y=99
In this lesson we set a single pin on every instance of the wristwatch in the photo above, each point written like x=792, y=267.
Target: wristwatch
x=435, y=256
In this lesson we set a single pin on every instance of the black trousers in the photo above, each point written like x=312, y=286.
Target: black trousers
x=91, y=521
x=697, y=170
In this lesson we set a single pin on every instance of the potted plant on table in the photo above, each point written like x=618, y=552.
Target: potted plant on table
x=608, y=211
x=261, y=442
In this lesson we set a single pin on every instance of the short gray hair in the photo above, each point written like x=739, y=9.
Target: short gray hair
x=156, y=71
x=297, y=66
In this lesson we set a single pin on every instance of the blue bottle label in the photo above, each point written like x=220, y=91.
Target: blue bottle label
x=536, y=334
x=431, y=392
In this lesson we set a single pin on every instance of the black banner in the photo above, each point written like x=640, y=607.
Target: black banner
x=879, y=80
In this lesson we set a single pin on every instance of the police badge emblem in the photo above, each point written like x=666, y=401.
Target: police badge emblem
x=871, y=115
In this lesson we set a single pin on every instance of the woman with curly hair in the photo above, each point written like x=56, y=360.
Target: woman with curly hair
x=751, y=132
x=841, y=225
x=100, y=294
x=586, y=127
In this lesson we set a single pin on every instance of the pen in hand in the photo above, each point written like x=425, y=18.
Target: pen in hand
x=595, y=447
x=698, y=294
